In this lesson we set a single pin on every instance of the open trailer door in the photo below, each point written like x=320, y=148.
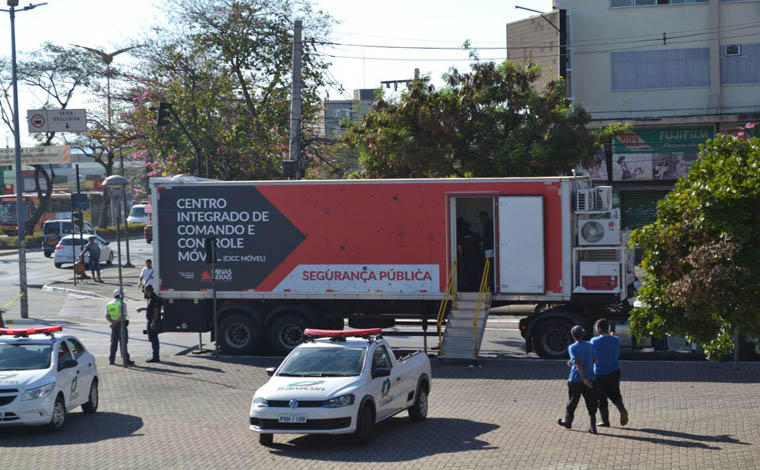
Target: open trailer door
x=521, y=245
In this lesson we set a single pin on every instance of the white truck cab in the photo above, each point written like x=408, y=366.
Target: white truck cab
x=340, y=382
x=44, y=376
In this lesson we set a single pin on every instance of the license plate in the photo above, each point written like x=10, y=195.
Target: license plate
x=298, y=419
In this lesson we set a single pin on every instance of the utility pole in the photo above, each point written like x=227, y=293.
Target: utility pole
x=293, y=169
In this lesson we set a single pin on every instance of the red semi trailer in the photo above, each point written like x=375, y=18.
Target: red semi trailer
x=299, y=254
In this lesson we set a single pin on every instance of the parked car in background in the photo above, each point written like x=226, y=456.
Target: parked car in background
x=68, y=250
x=137, y=214
x=53, y=230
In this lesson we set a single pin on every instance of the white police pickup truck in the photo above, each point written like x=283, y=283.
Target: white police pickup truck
x=340, y=382
x=43, y=376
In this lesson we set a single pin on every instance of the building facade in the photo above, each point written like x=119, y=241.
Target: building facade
x=335, y=111
x=678, y=71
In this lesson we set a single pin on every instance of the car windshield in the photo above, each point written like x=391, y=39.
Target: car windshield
x=323, y=362
x=55, y=227
x=19, y=356
x=137, y=212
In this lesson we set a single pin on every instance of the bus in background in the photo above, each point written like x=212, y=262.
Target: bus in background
x=59, y=207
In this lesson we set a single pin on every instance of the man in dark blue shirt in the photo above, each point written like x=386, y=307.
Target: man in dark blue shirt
x=607, y=369
x=581, y=381
x=153, y=316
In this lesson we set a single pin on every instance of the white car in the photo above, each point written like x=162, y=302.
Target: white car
x=71, y=245
x=345, y=382
x=138, y=215
x=43, y=377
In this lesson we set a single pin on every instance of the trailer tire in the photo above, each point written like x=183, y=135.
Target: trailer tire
x=552, y=338
x=238, y=334
x=286, y=332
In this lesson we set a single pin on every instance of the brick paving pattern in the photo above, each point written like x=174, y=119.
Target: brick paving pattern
x=192, y=412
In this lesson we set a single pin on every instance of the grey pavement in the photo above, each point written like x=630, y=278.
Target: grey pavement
x=192, y=413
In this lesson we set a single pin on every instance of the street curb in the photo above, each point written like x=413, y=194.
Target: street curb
x=65, y=290
x=36, y=321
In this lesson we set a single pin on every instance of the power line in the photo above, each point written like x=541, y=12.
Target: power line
x=607, y=42
x=604, y=40
x=559, y=54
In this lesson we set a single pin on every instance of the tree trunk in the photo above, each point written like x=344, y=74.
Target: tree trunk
x=43, y=199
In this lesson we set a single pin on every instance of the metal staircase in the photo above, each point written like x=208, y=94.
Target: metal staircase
x=466, y=321
x=464, y=327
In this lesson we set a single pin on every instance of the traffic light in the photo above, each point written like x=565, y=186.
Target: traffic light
x=164, y=112
x=77, y=218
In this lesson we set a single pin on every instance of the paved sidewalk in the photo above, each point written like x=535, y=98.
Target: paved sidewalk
x=192, y=413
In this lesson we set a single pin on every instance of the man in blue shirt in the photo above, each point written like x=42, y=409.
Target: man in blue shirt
x=581, y=381
x=607, y=369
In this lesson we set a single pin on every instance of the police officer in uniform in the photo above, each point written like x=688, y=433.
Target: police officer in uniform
x=113, y=315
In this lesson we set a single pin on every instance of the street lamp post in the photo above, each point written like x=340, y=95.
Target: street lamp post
x=24, y=301
x=120, y=182
x=107, y=59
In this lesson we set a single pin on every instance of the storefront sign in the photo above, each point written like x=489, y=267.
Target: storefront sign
x=657, y=154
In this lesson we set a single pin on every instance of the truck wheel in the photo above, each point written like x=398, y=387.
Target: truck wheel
x=286, y=333
x=238, y=334
x=552, y=339
x=58, y=265
x=418, y=411
x=364, y=425
x=266, y=439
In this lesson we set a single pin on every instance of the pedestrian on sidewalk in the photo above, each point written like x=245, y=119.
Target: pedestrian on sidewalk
x=152, y=315
x=607, y=368
x=113, y=315
x=147, y=276
x=581, y=381
x=93, y=250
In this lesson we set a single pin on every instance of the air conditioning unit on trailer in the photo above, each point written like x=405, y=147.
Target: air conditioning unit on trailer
x=598, y=232
x=596, y=199
x=599, y=276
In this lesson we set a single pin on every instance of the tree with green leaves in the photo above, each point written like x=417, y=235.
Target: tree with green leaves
x=225, y=67
x=490, y=121
x=702, y=254
x=60, y=73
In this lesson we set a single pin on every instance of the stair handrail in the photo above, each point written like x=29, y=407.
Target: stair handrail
x=484, y=293
x=450, y=294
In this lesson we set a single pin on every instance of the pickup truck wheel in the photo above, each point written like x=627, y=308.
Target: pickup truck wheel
x=552, y=339
x=364, y=425
x=418, y=411
x=286, y=333
x=266, y=439
x=238, y=334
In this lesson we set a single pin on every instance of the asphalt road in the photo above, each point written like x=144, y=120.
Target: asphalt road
x=84, y=316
